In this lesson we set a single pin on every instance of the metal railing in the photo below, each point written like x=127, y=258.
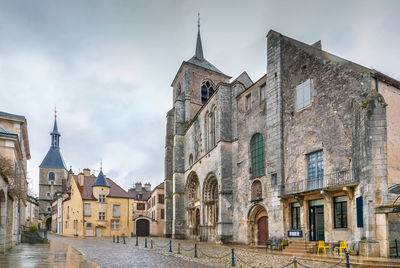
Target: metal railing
x=344, y=177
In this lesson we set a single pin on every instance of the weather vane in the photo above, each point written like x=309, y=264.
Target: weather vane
x=101, y=164
x=55, y=112
x=198, y=20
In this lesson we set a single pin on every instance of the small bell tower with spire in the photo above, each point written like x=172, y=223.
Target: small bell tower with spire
x=53, y=175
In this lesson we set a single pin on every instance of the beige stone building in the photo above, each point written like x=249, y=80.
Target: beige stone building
x=14, y=153
x=156, y=211
x=141, y=222
x=31, y=211
x=308, y=152
x=96, y=206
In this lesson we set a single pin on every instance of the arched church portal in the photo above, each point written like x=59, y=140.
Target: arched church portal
x=210, y=197
x=258, y=225
x=193, y=204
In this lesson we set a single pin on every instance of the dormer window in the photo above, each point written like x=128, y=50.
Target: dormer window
x=207, y=89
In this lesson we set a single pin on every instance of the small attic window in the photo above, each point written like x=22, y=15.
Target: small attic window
x=207, y=89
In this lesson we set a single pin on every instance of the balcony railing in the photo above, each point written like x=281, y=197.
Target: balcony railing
x=339, y=178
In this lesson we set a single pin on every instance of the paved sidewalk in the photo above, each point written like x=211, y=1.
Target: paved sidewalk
x=54, y=254
x=221, y=255
x=105, y=253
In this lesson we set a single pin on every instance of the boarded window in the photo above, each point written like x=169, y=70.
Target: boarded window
x=248, y=102
x=257, y=155
x=116, y=211
x=263, y=92
x=162, y=214
x=86, y=210
x=256, y=190
x=303, y=94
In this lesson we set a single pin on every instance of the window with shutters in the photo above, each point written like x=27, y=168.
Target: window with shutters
x=86, y=210
x=340, y=211
x=303, y=94
x=116, y=211
x=257, y=155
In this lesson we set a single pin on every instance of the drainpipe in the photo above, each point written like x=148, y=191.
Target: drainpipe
x=19, y=221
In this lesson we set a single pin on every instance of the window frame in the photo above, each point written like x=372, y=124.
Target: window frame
x=342, y=221
x=257, y=155
x=102, y=216
x=140, y=205
x=248, y=101
x=87, y=212
x=263, y=92
x=119, y=211
x=206, y=91
x=114, y=225
x=295, y=223
x=317, y=159
x=102, y=198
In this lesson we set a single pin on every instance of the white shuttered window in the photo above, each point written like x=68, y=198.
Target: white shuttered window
x=303, y=94
x=86, y=210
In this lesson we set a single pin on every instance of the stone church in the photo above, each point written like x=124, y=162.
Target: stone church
x=53, y=176
x=307, y=152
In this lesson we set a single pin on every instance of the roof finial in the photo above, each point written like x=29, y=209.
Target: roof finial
x=198, y=20
x=55, y=112
x=101, y=165
x=199, y=49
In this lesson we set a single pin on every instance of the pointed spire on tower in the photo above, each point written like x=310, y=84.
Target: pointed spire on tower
x=199, y=48
x=55, y=128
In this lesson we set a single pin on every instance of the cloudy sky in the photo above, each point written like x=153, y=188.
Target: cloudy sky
x=108, y=65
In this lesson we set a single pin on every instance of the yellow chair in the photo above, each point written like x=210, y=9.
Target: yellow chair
x=342, y=245
x=321, y=244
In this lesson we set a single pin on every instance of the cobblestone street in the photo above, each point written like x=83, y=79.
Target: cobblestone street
x=108, y=254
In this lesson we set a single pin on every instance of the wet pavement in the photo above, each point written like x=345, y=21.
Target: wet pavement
x=105, y=253
x=54, y=254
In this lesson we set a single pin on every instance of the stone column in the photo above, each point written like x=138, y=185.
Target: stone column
x=382, y=233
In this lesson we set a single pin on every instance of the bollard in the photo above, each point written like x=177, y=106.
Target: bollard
x=179, y=248
x=131, y=234
x=123, y=238
x=195, y=250
x=113, y=238
x=151, y=243
x=347, y=259
x=170, y=246
x=145, y=242
x=137, y=241
x=117, y=238
x=294, y=262
x=233, y=257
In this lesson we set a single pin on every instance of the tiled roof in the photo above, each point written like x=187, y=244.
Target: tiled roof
x=87, y=189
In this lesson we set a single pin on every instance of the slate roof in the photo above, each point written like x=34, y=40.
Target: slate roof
x=12, y=115
x=134, y=194
x=101, y=180
x=5, y=133
x=205, y=64
x=53, y=159
x=87, y=189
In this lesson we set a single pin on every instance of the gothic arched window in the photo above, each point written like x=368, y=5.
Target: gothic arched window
x=207, y=89
x=257, y=155
x=52, y=176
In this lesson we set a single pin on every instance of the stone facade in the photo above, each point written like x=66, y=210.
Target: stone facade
x=14, y=153
x=302, y=153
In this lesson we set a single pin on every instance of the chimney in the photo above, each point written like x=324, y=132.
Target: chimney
x=138, y=186
x=81, y=179
x=86, y=172
x=147, y=186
